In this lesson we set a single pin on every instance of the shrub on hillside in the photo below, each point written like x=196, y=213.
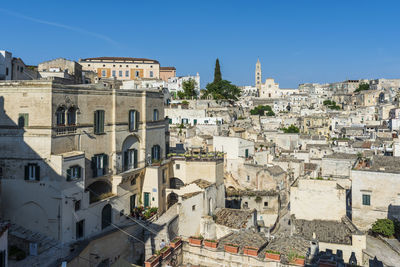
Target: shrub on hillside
x=384, y=227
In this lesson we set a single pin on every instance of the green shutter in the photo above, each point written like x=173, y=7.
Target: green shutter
x=68, y=174
x=105, y=163
x=37, y=173
x=94, y=167
x=130, y=114
x=26, y=120
x=79, y=171
x=126, y=157
x=95, y=122
x=27, y=172
x=135, y=159
x=101, y=121
x=137, y=117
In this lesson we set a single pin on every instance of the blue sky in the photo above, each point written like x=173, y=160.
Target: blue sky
x=297, y=41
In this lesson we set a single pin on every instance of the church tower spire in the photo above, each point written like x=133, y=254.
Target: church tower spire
x=258, y=76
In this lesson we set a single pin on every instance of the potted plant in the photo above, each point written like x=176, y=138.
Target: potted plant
x=165, y=251
x=211, y=243
x=251, y=251
x=153, y=261
x=195, y=240
x=232, y=248
x=273, y=255
x=176, y=242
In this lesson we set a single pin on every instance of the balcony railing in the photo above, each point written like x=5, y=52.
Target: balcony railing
x=64, y=130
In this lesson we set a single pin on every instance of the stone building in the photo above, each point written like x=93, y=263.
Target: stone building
x=167, y=72
x=77, y=155
x=62, y=68
x=122, y=68
x=375, y=190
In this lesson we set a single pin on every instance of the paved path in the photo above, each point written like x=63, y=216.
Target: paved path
x=382, y=251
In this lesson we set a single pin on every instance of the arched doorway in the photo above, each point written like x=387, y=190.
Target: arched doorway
x=172, y=199
x=98, y=191
x=106, y=216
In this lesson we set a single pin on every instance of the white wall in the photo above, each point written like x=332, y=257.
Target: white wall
x=317, y=200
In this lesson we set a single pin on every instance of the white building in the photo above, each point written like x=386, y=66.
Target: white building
x=5, y=65
x=191, y=116
x=234, y=147
x=175, y=84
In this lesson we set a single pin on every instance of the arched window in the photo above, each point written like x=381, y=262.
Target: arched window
x=71, y=116
x=60, y=116
x=155, y=115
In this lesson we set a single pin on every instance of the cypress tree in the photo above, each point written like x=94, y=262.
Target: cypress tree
x=217, y=72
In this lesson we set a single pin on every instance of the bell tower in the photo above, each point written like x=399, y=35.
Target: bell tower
x=258, y=76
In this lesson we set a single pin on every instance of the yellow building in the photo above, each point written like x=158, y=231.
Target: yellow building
x=122, y=68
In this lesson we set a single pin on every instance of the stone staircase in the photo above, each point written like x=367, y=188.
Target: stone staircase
x=160, y=226
x=48, y=249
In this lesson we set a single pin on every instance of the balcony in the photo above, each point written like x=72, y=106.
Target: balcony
x=64, y=130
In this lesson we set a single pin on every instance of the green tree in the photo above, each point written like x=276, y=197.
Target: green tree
x=188, y=89
x=383, y=227
x=222, y=90
x=217, y=72
x=291, y=129
x=362, y=87
x=262, y=110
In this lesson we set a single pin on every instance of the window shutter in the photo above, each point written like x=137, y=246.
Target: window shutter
x=94, y=166
x=95, y=122
x=68, y=174
x=26, y=120
x=130, y=120
x=137, y=118
x=101, y=128
x=125, y=160
x=135, y=159
x=79, y=172
x=105, y=163
x=26, y=172
x=152, y=152
x=37, y=167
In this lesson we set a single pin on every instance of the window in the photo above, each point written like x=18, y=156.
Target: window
x=137, y=66
x=113, y=73
x=74, y=173
x=71, y=116
x=245, y=205
x=32, y=172
x=127, y=73
x=21, y=69
x=1, y=172
x=88, y=65
x=99, y=122
x=3, y=258
x=120, y=73
x=193, y=207
x=366, y=200
x=178, y=166
x=151, y=74
x=133, y=120
x=155, y=115
x=151, y=66
x=130, y=159
x=79, y=229
x=77, y=205
x=156, y=152
x=6, y=71
x=23, y=120
x=104, y=65
x=137, y=74
x=104, y=73
x=60, y=116
x=164, y=176
x=248, y=178
x=99, y=165
x=265, y=204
